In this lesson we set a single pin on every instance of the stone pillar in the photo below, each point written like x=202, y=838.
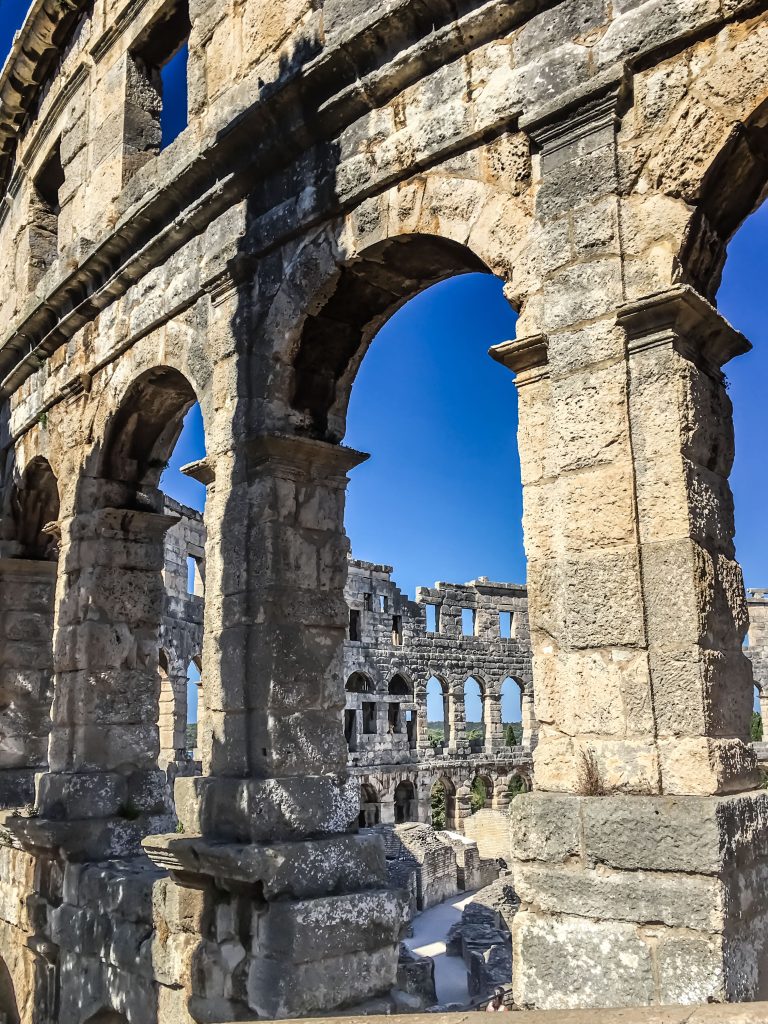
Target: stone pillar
x=172, y=717
x=423, y=746
x=494, y=727
x=529, y=722
x=638, y=858
x=275, y=815
x=103, y=789
x=27, y=590
x=457, y=721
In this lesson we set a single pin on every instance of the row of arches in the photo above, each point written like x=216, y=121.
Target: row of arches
x=435, y=717
x=441, y=800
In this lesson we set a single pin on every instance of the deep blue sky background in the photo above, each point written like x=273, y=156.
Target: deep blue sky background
x=440, y=497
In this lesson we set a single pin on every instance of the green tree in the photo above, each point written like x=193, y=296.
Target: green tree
x=756, y=727
x=438, y=805
x=478, y=795
x=516, y=786
x=191, y=737
x=513, y=734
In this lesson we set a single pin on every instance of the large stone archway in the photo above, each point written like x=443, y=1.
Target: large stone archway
x=336, y=162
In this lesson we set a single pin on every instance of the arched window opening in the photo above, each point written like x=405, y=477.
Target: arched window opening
x=432, y=305
x=443, y=804
x=358, y=682
x=481, y=793
x=512, y=712
x=35, y=513
x=740, y=300
x=399, y=687
x=191, y=733
x=167, y=724
x=153, y=453
x=756, y=725
x=9, y=1010
x=405, y=802
x=437, y=713
x=474, y=715
x=370, y=806
x=517, y=784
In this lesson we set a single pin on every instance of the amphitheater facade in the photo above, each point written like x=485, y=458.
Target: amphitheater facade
x=340, y=156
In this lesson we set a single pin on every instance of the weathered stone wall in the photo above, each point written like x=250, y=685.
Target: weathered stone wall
x=489, y=827
x=339, y=158
x=392, y=640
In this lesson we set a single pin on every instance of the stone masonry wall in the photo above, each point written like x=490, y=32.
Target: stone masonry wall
x=339, y=158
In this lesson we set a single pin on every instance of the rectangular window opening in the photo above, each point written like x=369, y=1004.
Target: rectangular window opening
x=397, y=630
x=156, y=88
x=468, y=621
x=368, y=602
x=410, y=728
x=194, y=577
x=44, y=215
x=383, y=603
x=505, y=625
x=433, y=618
x=369, y=718
x=395, y=719
x=354, y=624
x=350, y=728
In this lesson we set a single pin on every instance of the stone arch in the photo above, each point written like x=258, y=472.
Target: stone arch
x=367, y=290
x=28, y=573
x=142, y=433
x=370, y=806
x=359, y=682
x=400, y=686
x=9, y=1009
x=474, y=688
x=433, y=683
x=404, y=799
x=35, y=511
x=449, y=796
x=484, y=780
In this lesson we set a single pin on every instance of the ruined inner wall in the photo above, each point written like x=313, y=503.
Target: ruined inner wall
x=597, y=156
x=389, y=657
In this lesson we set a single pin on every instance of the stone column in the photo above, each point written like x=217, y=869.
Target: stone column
x=457, y=721
x=639, y=857
x=494, y=727
x=275, y=815
x=423, y=746
x=103, y=789
x=27, y=590
x=529, y=723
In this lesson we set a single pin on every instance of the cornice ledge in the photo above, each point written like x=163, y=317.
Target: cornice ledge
x=523, y=355
x=681, y=315
x=307, y=454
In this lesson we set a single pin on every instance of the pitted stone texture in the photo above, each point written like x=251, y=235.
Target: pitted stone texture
x=672, y=885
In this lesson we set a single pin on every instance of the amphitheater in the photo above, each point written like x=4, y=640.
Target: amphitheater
x=338, y=158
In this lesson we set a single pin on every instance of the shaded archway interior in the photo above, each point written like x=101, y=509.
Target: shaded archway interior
x=369, y=290
x=146, y=427
x=743, y=163
x=35, y=507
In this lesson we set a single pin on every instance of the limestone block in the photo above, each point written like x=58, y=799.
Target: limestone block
x=546, y=829
x=604, y=607
x=592, y=974
x=676, y=900
x=238, y=810
x=305, y=930
x=279, y=989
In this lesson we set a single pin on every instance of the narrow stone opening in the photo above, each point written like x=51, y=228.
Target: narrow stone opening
x=45, y=208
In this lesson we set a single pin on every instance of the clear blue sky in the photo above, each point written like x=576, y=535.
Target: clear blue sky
x=440, y=497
